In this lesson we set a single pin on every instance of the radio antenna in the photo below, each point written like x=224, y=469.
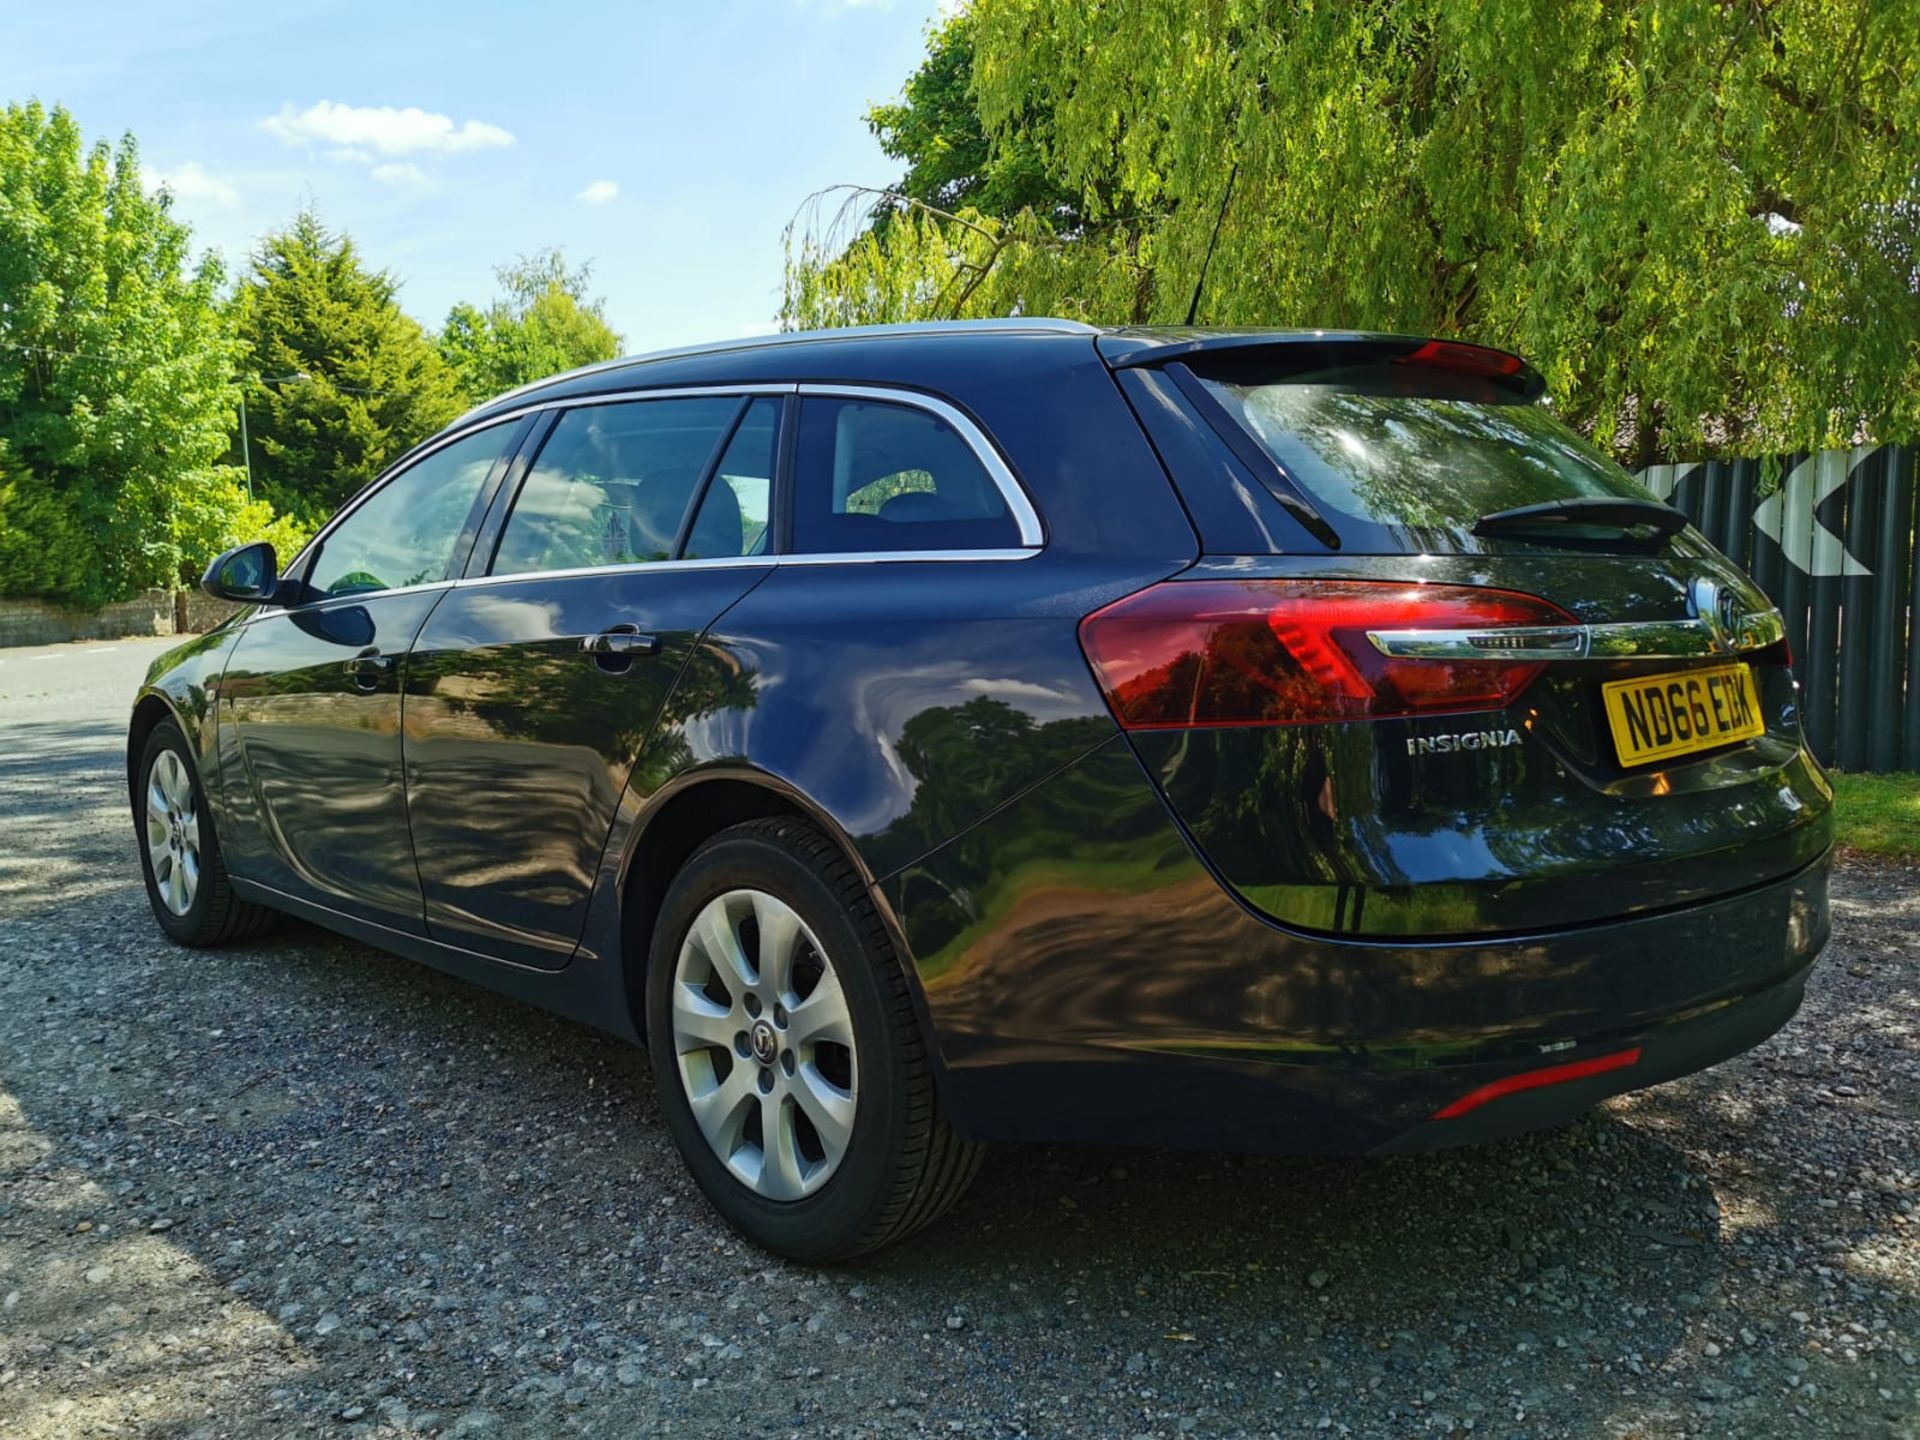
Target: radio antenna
x=1193, y=309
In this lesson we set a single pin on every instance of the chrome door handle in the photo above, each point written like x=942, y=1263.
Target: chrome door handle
x=624, y=640
x=366, y=668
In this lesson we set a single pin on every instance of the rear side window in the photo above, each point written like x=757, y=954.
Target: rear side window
x=874, y=476
x=612, y=484
x=733, y=515
x=1407, y=457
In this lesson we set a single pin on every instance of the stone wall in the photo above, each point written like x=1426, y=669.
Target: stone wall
x=41, y=622
x=196, y=612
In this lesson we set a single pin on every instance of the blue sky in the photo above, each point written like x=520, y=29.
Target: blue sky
x=669, y=143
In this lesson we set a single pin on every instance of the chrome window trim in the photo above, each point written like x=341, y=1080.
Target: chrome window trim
x=265, y=611
x=743, y=562
x=903, y=557
x=636, y=567
x=1025, y=517
x=625, y=397
x=1688, y=639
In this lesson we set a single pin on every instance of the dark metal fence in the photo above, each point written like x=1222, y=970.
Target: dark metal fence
x=1833, y=545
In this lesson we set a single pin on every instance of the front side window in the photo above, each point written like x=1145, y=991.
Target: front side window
x=612, y=484
x=874, y=476
x=405, y=532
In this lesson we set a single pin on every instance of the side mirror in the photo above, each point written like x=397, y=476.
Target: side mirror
x=248, y=574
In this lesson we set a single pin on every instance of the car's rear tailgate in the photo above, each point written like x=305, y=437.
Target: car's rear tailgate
x=1505, y=821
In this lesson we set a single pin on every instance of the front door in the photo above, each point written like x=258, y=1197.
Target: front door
x=312, y=692
x=532, y=688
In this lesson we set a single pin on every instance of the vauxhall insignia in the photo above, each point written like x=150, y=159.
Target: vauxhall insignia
x=1461, y=740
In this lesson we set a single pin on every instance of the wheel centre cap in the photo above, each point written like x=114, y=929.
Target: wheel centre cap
x=765, y=1046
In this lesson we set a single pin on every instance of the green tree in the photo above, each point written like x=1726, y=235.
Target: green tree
x=116, y=393
x=1700, y=219
x=339, y=378
x=543, y=324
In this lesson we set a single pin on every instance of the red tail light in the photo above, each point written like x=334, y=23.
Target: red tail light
x=1292, y=652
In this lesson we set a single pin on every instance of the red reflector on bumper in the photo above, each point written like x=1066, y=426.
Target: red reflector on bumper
x=1534, y=1079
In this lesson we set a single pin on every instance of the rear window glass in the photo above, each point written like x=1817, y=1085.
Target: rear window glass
x=1409, y=457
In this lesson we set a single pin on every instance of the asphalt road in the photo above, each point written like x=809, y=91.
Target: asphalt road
x=300, y=1187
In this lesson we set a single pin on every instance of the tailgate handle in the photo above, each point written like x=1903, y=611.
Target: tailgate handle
x=1687, y=639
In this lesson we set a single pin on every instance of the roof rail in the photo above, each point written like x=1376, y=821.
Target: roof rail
x=1017, y=325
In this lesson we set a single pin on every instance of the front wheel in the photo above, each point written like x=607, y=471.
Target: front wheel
x=790, y=1064
x=186, y=875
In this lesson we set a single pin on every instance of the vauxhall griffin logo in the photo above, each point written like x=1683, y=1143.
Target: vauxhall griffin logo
x=1718, y=609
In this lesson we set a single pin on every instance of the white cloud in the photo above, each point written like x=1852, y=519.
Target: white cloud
x=600, y=192
x=381, y=129
x=192, y=183
x=399, y=174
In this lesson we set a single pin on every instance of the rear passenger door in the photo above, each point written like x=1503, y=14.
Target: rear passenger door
x=533, y=687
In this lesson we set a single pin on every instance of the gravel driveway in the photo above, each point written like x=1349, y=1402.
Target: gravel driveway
x=304, y=1188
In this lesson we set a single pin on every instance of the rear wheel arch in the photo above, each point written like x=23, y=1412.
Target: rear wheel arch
x=686, y=819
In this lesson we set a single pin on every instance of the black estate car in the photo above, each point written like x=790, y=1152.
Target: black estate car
x=922, y=736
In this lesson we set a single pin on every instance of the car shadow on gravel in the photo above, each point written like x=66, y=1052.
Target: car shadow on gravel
x=413, y=1177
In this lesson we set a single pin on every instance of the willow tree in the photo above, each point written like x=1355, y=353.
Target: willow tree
x=1700, y=218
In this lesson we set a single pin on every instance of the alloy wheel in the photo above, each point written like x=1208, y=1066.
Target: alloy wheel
x=173, y=832
x=763, y=1043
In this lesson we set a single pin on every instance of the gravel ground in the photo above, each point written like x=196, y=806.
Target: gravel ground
x=304, y=1188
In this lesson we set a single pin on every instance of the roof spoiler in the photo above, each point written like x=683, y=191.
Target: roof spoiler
x=1279, y=353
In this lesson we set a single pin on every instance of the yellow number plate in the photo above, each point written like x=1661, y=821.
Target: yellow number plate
x=1659, y=716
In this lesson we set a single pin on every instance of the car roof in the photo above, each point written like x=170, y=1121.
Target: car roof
x=658, y=367
x=1120, y=345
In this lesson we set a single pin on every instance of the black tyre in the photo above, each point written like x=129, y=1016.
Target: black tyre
x=187, y=882
x=791, y=1066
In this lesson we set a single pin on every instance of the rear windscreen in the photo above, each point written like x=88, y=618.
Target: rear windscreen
x=1407, y=457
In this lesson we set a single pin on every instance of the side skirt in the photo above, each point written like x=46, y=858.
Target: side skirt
x=588, y=990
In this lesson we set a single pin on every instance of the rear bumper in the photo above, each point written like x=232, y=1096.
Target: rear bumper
x=1353, y=1100
x=1080, y=998
x=1666, y=1052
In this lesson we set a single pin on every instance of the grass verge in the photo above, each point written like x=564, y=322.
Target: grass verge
x=1878, y=815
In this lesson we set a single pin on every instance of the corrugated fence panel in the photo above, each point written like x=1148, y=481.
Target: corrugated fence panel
x=1910, y=712
x=1833, y=545
x=1888, y=678
x=1820, y=680
x=1856, y=635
